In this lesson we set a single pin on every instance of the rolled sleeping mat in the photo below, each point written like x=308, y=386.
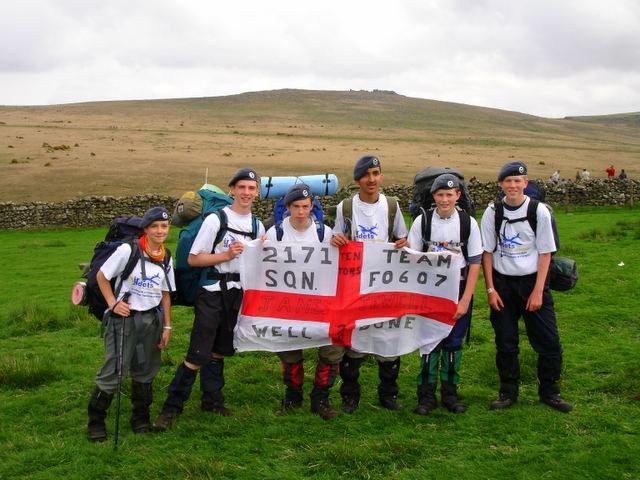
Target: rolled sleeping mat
x=321, y=185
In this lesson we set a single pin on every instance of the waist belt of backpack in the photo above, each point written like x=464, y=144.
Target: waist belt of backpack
x=223, y=277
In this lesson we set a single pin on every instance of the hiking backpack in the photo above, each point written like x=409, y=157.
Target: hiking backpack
x=189, y=279
x=125, y=229
x=563, y=271
x=347, y=215
x=280, y=212
x=422, y=198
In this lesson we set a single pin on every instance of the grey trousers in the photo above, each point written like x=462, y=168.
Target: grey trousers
x=143, y=368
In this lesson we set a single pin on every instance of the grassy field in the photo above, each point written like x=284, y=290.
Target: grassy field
x=58, y=152
x=51, y=351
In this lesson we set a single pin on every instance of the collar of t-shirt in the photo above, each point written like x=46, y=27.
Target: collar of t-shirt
x=513, y=209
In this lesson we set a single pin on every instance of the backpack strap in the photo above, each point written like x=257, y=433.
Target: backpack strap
x=425, y=227
x=135, y=255
x=392, y=208
x=347, y=216
x=532, y=214
x=465, y=232
x=279, y=232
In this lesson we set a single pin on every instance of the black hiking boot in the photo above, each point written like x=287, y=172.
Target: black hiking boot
x=450, y=398
x=141, y=398
x=503, y=401
x=350, y=403
x=97, y=410
x=556, y=402
x=426, y=399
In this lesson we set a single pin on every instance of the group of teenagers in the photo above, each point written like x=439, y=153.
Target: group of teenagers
x=515, y=260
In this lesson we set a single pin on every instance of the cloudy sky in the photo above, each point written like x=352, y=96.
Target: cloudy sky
x=544, y=57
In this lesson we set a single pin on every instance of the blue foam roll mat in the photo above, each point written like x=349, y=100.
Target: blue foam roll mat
x=276, y=187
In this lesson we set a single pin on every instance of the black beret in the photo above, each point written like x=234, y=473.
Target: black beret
x=154, y=214
x=446, y=181
x=364, y=164
x=299, y=191
x=246, y=173
x=510, y=169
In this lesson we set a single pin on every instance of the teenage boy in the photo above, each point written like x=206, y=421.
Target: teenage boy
x=516, y=267
x=301, y=226
x=218, y=301
x=366, y=218
x=450, y=230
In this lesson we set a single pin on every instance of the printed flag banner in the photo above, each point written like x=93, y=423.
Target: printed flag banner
x=371, y=297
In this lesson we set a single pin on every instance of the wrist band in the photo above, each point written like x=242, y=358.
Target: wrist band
x=490, y=290
x=167, y=327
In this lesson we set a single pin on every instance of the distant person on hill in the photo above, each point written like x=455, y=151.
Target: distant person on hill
x=623, y=175
x=555, y=177
x=516, y=266
x=218, y=301
x=611, y=172
x=585, y=174
x=143, y=308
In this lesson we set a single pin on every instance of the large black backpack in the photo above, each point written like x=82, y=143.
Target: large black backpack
x=422, y=197
x=125, y=229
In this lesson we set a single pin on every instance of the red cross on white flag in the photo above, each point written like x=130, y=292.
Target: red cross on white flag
x=368, y=296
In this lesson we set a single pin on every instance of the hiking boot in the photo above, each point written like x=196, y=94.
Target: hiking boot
x=324, y=409
x=213, y=402
x=450, y=398
x=503, y=401
x=288, y=406
x=390, y=402
x=426, y=399
x=556, y=402
x=350, y=403
x=141, y=398
x=165, y=420
x=97, y=410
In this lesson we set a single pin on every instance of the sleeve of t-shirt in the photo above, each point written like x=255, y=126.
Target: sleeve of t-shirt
x=487, y=230
x=206, y=235
x=545, y=242
x=474, y=245
x=114, y=265
x=415, y=234
x=399, y=227
x=271, y=234
x=327, y=234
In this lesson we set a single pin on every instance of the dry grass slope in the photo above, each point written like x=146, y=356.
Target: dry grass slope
x=120, y=148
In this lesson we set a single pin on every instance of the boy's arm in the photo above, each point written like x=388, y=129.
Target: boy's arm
x=534, y=302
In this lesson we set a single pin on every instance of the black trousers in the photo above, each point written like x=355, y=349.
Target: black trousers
x=541, y=328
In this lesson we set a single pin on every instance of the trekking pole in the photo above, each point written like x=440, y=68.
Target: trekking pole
x=119, y=366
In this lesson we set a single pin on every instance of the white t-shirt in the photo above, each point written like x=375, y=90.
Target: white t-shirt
x=146, y=292
x=370, y=221
x=447, y=230
x=203, y=242
x=290, y=234
x=519, y=246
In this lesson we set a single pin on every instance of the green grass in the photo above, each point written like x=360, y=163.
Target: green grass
x=50, y=352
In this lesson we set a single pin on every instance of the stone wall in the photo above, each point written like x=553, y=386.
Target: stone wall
x=98, y=211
